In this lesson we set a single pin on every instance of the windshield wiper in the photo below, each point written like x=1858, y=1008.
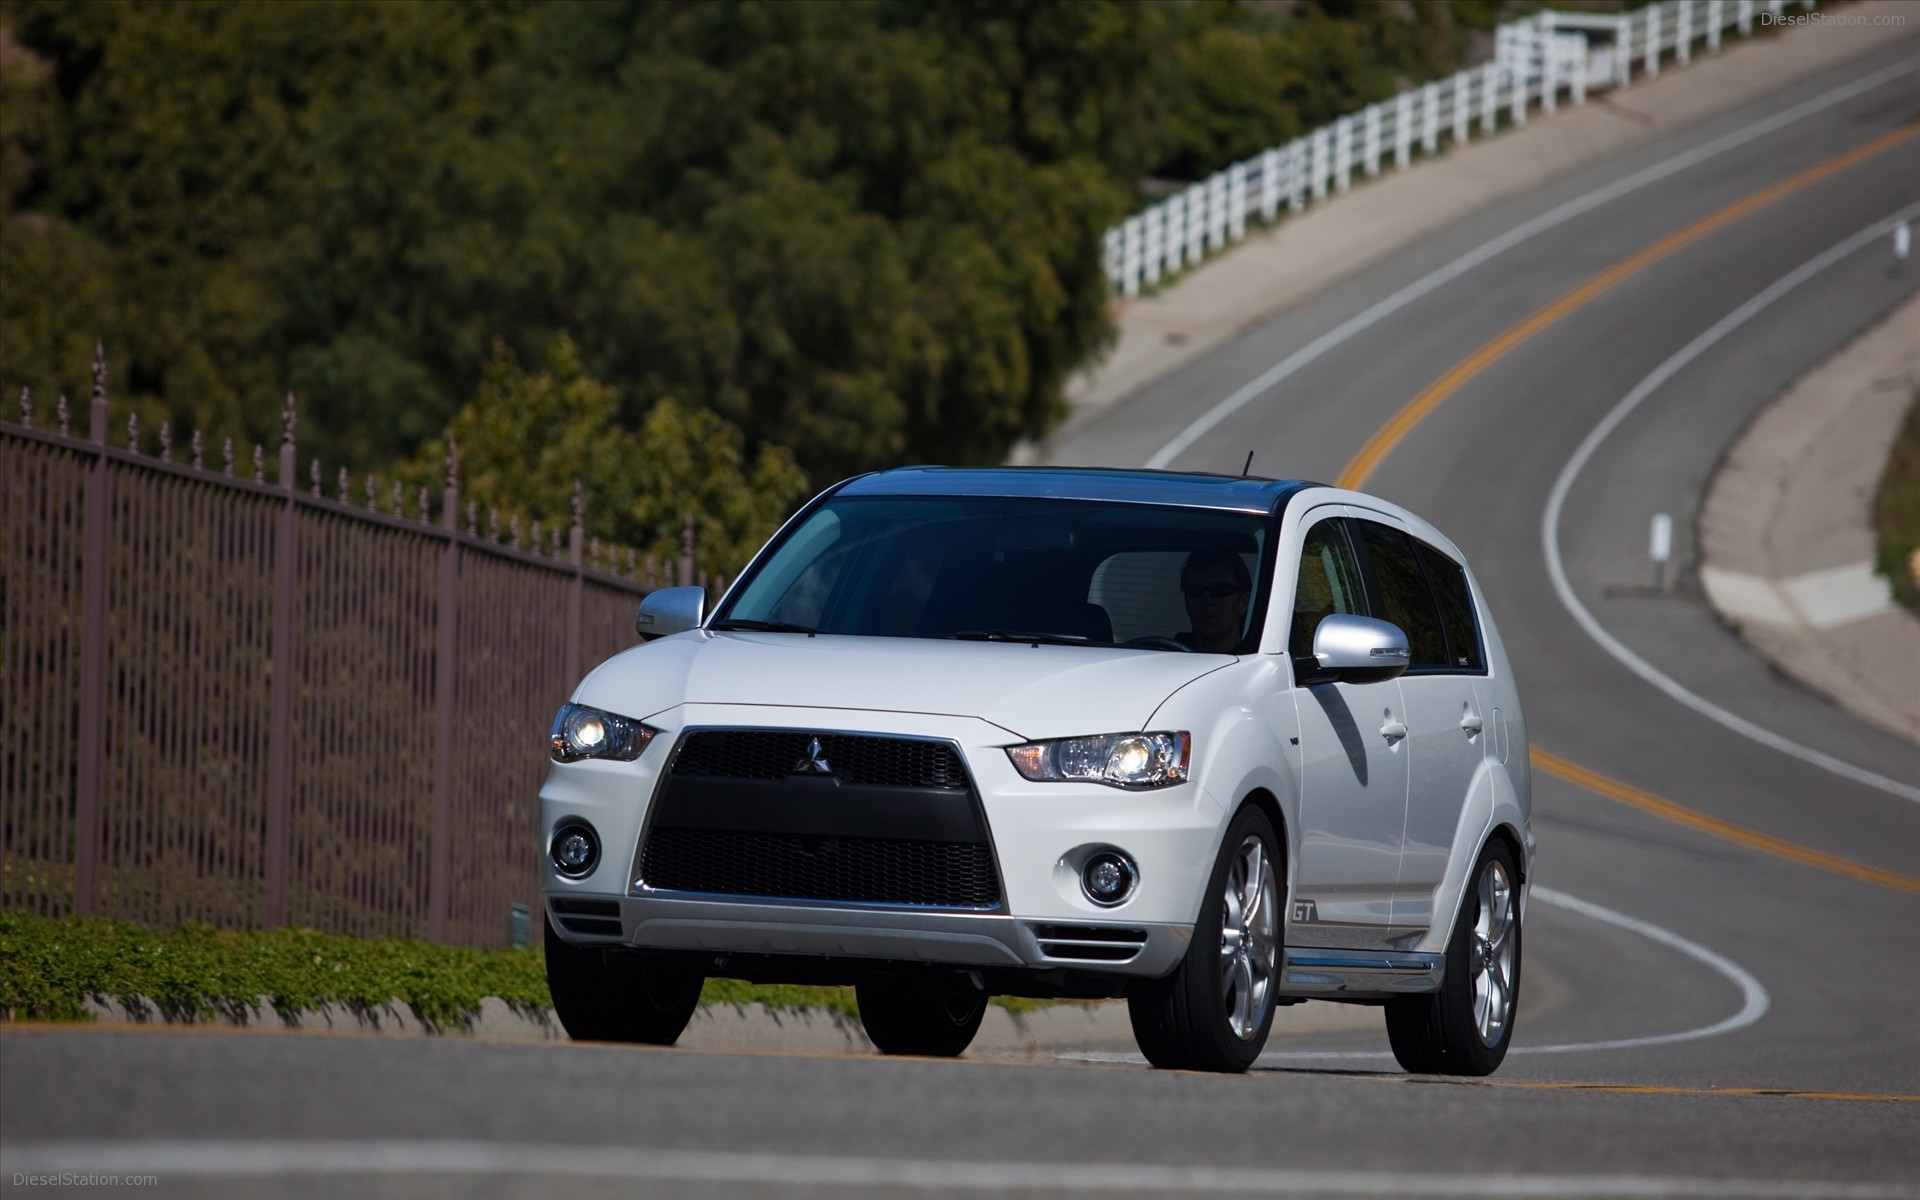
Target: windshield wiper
x=733, y=623
x=1014, y=635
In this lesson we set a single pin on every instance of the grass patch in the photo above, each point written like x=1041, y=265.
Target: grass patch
x=1896, y=512
x=50, y=968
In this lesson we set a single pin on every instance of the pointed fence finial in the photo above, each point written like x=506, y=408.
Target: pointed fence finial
x=369, y=493
x=199, y=449
x=26, y=407
x=313, y=476
x=453, y=465
x=535, y=538
x=515, y=528
x=397, y=493
x=60, y=414
x=166, y=441
x=99, y=373
x=133, y=432
x=259, y=463
x=287, y=419
x=341, y=485
x=423, y=503
x=473, y=518
x=579, y=505
x=227, y=453
x=493, y=523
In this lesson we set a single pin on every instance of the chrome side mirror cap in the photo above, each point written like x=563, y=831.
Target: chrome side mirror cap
x=1352, y=649
x=670, y=610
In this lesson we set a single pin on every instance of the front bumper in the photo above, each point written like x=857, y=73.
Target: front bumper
x=959, y=939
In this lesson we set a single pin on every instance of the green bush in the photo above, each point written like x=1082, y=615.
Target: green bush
x=50, y=968
x=1896, y=512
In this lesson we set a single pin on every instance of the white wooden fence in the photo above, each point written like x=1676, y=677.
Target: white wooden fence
x=1536, y=62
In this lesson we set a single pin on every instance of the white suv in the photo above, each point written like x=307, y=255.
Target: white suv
x=1212, y=744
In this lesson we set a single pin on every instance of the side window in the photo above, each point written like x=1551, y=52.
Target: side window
x=1402, y=595
x=1464, y=650
x=1329, y=583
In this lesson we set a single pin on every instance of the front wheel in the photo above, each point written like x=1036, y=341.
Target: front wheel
x=915, y=1018
x=1466, y=1026
x=603, y=996
x=1214, y=1012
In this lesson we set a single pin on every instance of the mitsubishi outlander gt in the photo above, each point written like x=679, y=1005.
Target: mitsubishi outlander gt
x=1210, y=744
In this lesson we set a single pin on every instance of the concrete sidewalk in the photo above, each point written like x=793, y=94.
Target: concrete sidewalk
x=1273, y=270
x=1786, y=536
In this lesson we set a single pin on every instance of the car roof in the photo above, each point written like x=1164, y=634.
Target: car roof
x=1235, y=493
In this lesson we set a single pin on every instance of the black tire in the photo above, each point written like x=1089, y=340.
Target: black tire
x=603, y=996
x=1448, y=1032
x=918, y=1019
x=1186, y=1021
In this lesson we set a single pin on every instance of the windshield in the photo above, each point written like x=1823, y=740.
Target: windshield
x=1016, y=569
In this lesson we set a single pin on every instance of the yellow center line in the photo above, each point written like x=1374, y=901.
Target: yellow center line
x=1396, y=429
x=1389, y=435
x=1613, y=789
x=1638, y=1089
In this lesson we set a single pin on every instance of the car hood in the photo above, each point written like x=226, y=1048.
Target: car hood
x=1031, y=691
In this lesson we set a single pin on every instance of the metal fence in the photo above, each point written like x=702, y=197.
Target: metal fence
x=247, y=703
x=1536, y=61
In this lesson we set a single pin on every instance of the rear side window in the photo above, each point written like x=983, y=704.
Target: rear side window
x=1401, y=594
x=1449, y=578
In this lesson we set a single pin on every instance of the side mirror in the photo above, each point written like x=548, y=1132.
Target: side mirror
x=1351, y=649
x=670, y=610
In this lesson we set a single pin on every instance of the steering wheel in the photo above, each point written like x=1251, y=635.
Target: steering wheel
x=1151, y=642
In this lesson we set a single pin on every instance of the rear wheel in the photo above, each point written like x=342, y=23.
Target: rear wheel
x=917, y=1018
x=1466, y=1026
x=1214, y=1012
x=610, y=996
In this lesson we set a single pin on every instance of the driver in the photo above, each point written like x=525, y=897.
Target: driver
x=1217, y=586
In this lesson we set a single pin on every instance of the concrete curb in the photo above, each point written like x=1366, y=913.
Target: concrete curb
x=1786, y=530
x=1060, y=1028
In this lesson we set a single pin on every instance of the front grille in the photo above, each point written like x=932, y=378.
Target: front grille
x=782, y=866
x=856, y=759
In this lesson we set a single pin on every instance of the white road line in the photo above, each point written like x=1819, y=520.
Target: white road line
x=233, y=1159
x=1556, y=502
x=1507, y=241
x=1753, y=995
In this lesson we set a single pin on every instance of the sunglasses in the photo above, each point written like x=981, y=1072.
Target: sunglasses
x=1212, y=591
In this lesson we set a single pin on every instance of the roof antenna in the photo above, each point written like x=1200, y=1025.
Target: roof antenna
x=1249, y=467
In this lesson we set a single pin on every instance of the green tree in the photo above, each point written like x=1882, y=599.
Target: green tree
x=527, y=437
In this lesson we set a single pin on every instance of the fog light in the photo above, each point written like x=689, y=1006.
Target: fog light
x=1108, y=878
x=574, y=849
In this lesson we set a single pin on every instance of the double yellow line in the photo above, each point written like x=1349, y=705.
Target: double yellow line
x=1395, y=430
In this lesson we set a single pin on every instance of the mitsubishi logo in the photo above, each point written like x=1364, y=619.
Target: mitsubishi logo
x=815, y=762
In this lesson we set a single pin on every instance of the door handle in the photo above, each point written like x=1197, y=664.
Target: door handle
x=1471, y=724
x=1393, y=730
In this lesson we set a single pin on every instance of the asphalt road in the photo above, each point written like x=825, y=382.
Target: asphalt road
x=1669, y=971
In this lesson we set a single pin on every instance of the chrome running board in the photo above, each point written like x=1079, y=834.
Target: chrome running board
x=1316, y=971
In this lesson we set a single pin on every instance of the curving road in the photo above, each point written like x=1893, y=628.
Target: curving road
x=1673, y=969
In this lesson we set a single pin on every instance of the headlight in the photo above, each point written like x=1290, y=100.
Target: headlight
x=581, y=732
x=1125, y=760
